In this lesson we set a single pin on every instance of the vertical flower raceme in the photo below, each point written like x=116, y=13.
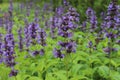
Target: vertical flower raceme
x=90, y=12
x=9, y=49
x=59, y=11
x=8, y=54
x=73, y=15
x=64, y=29
x=41, y=36
x=41, y=39
x=92, y=19
x=52, y=27
x=28, y=10
x=1, y=49
x=32, y=29
x=20, y=43
x=68, y=24
x=56, y=21
x=27, y=37
x=11, y=8
x=109, y=26
x=36, y=15
x=93, y=22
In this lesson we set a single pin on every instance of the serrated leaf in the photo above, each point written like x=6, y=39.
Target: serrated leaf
x=103, y=71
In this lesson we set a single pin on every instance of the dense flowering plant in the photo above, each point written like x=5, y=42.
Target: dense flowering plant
x=38, y=42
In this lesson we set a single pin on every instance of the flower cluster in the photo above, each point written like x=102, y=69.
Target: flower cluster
x=20, y=39
x=92, y=19
x=36, y=52
x=41, y=37
x=1, y=51
x=110, y=26
x=57, y=53
x=56, y=21
x=73, y=15
x=27, y=35
x=68, y=24
x=68, y=46
x=9, y=52
x=33, y=32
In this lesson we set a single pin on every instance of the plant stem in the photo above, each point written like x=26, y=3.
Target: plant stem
x=15, y=78
x=110, y=64
x=66, y=64
x=90, y=61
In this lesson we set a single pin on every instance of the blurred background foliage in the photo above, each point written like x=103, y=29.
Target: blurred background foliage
x=81, y=5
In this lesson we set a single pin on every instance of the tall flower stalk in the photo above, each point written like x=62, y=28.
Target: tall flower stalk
x=68, y=46
x=110, y=29
x=20, y=39
x=8, y=54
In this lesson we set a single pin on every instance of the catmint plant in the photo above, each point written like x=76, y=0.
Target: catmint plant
x=110, y=30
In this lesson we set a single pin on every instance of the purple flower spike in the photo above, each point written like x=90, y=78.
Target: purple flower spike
x=41, y=36
x=90, y=12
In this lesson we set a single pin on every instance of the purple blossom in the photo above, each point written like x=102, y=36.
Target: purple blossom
x=13, y=73
x=42, y=52
x=90, y=12
x=90, y=44
x=41, y=37
x=57, y=53
x=59, y=11
x=73, y=15
x=35, y=53
x=33, y=30
x=38, y=52
x=27, y=36
x=111, y=35
x=65, y=3
x=68, y=46
x=93, y=22
x=65, y=34
x=112, y=9
x=20, y=39
x=108, y=50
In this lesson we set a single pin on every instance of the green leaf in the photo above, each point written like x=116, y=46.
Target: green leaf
x=115, y=76
x=103, y=71
x=78, y=77
x=113, y=63
x=34, y=78
x=75, y=68
x=50, y=76
x=61, y=75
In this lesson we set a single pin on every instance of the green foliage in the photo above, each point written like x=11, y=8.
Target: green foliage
x=82, y=65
